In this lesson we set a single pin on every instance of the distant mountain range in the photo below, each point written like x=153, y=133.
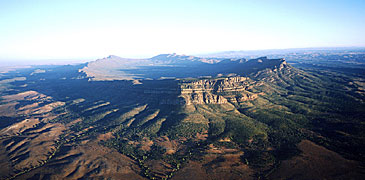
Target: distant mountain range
x=270, y=52
x=173, y=66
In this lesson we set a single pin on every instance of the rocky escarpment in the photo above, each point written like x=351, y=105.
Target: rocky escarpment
x=203, y=98
x=203, y=91
x=217, y=91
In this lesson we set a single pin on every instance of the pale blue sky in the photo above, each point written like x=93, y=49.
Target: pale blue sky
x=76, y=29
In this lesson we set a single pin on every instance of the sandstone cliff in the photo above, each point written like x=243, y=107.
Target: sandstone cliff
x=216, y=91
x=204, y=91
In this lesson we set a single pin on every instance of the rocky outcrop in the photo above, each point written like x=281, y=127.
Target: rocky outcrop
x=216, y=85
x=216, y=91
x=203, y=98
x=201, y=91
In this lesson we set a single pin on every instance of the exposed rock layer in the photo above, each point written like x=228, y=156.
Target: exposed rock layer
x=204, y=91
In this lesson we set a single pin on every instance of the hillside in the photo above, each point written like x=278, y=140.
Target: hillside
x=216, y=119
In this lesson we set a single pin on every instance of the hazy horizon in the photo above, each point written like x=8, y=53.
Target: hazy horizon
x=25, y=61
x=79, y=30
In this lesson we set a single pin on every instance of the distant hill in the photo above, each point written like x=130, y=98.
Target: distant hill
x=344, y=59
x=270, y=52
x=180, y=59
x=172, y=65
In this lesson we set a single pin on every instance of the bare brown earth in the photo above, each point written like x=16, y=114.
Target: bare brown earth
x=171, y=146
x=4, y=84
x=217, y=163
x=27, y=144
x=30, y=145
x=317, y=162
x=90, y=161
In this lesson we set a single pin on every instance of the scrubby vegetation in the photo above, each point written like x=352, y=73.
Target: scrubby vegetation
x=148, y=123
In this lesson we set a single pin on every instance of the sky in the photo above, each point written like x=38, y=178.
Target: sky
x=50, y=30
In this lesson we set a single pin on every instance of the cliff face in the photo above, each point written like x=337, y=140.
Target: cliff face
x=203, y=98
x=216, y=85
x=204, y=91
x=216, y=91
